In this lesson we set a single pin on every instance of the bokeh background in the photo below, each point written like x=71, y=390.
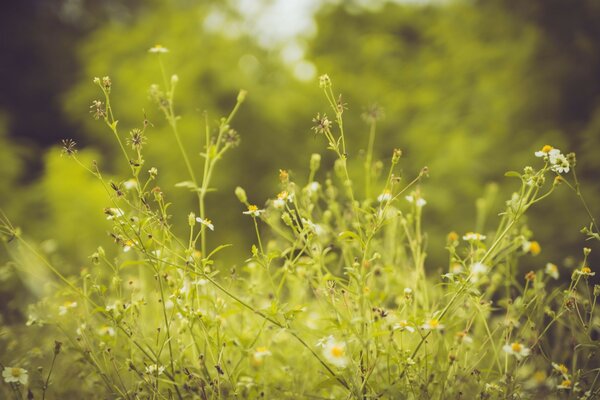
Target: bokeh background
x=469, y=88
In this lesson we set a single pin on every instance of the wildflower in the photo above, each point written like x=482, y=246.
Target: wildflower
x=456, y=268
x=544, y=151
x=532, y=247
x=260, y=353
x=334, y=351
x=585, y=271
x=419, y=202
x=474, y=237
x=154, y=369
x=478, y=270
x=464, y=337
x=403, y=326
x=432, y=324
x=284, y=176
x=206, y=222
x=314, y=228
x=128, y=245
x=97, y=109
x=560, y=164
x=313, y=187
x=566, y=384
x=153, y=172
x=282, y=197
x=136, y=139
x=517, y=349
x=158, y=49
x=530, y=276
x=253, y=211
x=322, y=124
x=452, y=237
x=113, y=213
x=62, y=310
x=324, y=81
x=552, y=270
x=561, y=368
x=106, y=330
x=69, y=147
x=408, y=292
x=15, y=375
x=385, y=196
x=130, y=184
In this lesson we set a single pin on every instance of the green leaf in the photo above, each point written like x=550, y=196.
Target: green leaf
x=513, y=174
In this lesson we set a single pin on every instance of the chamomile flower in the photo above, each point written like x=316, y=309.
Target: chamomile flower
x=253, y=211
x=154, y=369
x=334, y=351
x=62, y=310
x=113, y=213
x=128, y=245
x=259, y=354
x=206, y=222
x=385, y=196
x=552, y=270
x=403, y=325
x=282, y=198
x=130, y=184
x=474, y=237
x=313, y=187
x=517, y=349
x=560, y=164
x=585, y=271
x=544, y=151
x=562, y=369
x=478, y=270
x=532, y=247
x=464, y=337
x=566, y=384
x=158, y=49
x=432, y=324
x=15, y=375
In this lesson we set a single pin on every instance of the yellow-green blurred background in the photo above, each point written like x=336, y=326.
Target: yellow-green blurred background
x=469, y=88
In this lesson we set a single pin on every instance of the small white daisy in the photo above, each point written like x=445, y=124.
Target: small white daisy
x=552, y=270
x=259, y=354
x=517, y=349
x=206, y=222
x=154, y=369
x=474, y=237
x=432, y=324
x=15, y=375
x=419, y=202
x=403, y=326
x=158, y=49
x=334, y=351
x=385, y=196
x=62, y=310
x=253, y=211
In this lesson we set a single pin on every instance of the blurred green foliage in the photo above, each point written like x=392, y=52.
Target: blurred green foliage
x=469, y=89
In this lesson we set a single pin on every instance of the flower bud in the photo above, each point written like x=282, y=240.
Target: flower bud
x=242, y=96
x=324, y=81
x=315, y=162
x=191, y=219
x=240, y=193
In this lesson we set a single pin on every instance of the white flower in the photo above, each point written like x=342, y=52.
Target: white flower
x=253, y=211
x=113, y=213
x=560, y=164
x=408, y=292
x=158, y=49
x=464, y=337
x=420, y=202
x=206, y=222
x=154, y=369
x=315, y=228
x=130, y=184
x=478, y=270
x=585, y=271
x=385, y=196
x=334, y=351
x=432, y=324
x=517, y=349
x=106, y=331
x=403, y=326
x=15, y=375
x=313, y=187
x=80, y=329
x=282, y=198
x=566, y=384
x=562, y=369
x=62, y=310
x=544, y=152
x=474, y=237
x=260, y=354
x=128, y=245
x=552, y=270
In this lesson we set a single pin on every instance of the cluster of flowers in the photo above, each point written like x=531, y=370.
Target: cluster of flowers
x=558, y=161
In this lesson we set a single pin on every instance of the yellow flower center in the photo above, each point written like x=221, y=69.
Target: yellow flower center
x=547, y=148
x=535, y=248
x=516, y=347
x=252, y=207
x=566, y=383
x=15, y=372
x=261, y=349
x=562, y=368
x=586, y=270
x=337, y=351
x=283, y=195
x=434, y=323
